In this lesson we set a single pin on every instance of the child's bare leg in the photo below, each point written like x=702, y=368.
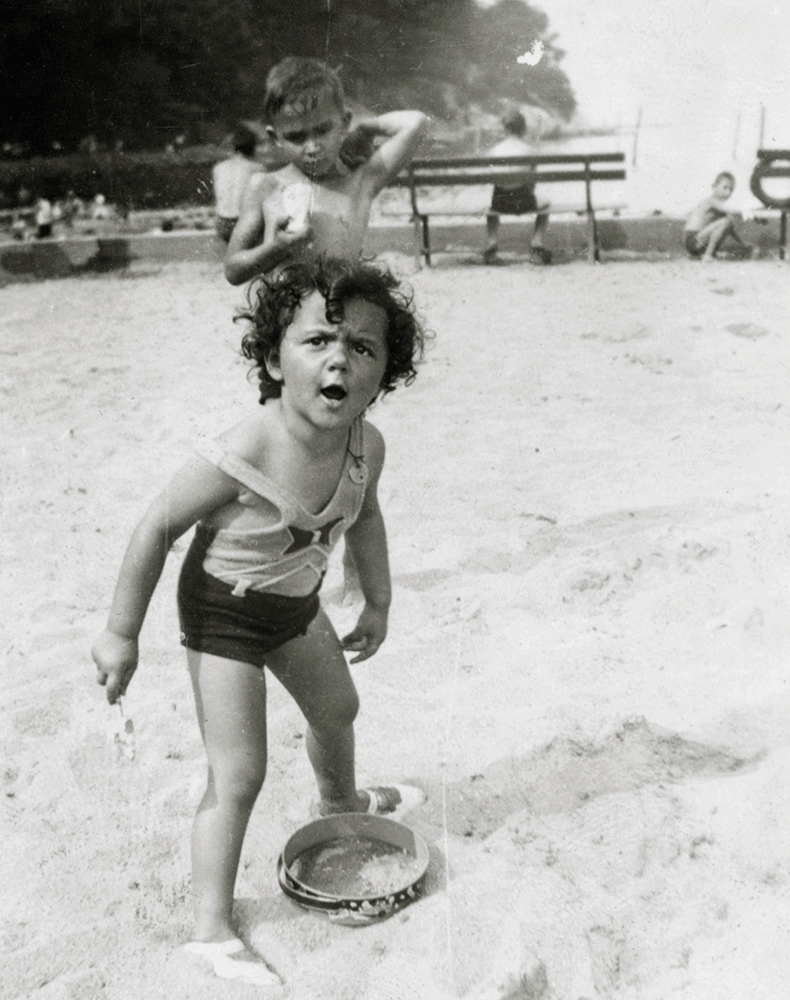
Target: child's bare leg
x=713, y=235
x=541, y=225
x=314, y=671
x=231, y=704
x=492, y=235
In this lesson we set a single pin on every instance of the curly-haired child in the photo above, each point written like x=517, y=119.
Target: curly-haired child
x=270, y=498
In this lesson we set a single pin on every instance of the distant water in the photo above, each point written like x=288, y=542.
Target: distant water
x=671, y=167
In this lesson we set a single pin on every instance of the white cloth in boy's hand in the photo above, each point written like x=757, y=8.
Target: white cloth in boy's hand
x=297, y=199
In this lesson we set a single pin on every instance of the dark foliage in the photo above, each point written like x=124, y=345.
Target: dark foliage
x=147, y=72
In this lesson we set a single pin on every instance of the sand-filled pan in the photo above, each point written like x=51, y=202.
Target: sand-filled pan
x=353, y=867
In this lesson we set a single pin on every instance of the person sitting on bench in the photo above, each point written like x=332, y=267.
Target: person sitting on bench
x=516, y=197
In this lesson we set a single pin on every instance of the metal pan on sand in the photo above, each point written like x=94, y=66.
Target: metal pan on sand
x=353, y=867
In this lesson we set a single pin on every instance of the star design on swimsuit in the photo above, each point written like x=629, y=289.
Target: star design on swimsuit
x=304, y=539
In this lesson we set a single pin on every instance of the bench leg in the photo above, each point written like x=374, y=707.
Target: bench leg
x=426, y=240
x=593, y=254
x=417, y=240
x=422, y=240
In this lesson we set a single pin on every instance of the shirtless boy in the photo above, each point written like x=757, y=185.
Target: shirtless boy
x=710, y=223
x=320, y=201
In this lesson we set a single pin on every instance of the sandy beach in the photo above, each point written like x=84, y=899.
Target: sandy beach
x=586, y=499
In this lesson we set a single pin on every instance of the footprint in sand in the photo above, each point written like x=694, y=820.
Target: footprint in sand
x=748, y=330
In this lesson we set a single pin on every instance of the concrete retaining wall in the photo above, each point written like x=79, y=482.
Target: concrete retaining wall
x=567, y=237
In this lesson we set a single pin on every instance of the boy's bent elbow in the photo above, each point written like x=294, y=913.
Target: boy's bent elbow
x=420, y=121
x=233, y=273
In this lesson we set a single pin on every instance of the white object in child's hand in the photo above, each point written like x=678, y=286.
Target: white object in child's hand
x=297, y=199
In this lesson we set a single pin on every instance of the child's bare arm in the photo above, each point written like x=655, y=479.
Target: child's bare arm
x=367, y=540
x=195, y=491
x=402, y=131
x=251, y=251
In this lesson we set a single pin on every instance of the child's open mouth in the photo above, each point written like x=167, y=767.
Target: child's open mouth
x=334, y=392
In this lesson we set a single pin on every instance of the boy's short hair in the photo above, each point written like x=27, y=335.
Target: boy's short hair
x=244, y=139
x=273, y=298
x=294, y=77
x=514, y=122
x=725, y=175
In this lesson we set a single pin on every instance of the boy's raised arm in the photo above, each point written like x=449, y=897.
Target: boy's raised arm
x=402, y=131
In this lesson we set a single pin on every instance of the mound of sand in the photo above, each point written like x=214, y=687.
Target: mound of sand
x=586, y=671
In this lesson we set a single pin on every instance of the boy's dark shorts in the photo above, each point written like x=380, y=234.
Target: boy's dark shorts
x=514, y=201
x=694, y=246
x=246, y=628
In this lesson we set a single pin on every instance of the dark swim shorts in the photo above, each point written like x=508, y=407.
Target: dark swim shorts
x=246, y=628
x=514, y=201
x=694, y=246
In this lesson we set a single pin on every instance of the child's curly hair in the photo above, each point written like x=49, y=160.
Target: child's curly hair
x=272, y=300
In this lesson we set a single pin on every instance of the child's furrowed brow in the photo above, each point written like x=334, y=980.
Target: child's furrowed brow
x=299, y=135
x=322, y=329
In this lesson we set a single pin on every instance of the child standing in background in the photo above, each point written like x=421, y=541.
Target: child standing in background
x=230, y=179
x=320, y=201
x=270, y=498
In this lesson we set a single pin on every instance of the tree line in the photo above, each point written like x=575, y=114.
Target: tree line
x=142, y=72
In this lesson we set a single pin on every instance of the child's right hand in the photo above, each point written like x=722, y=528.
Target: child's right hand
x=116, y=661
x=297, y=237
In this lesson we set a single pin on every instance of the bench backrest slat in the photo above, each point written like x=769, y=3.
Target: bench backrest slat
x=494, y=177
x=773, y=154
x=775, y=171
x=463, y=162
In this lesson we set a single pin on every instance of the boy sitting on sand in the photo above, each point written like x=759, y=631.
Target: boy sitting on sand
x=710, y=223
x=270, y=498
x=516, y=197
x=320, y=201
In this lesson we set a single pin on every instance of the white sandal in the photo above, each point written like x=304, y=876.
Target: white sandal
x=220, y=955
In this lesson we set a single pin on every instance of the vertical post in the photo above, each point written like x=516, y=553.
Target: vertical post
x=636, y=135
x=415, y=218
x=426, y=240
x=783, y=235
x=735, y=137
x=592, y=230
x=417, y=241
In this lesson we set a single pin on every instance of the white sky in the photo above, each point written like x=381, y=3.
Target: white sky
x=675, y=56
x=668, y=55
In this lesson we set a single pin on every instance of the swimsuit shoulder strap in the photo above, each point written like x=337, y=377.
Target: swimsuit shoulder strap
x=243, y=472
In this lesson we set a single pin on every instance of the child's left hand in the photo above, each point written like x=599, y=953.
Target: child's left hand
x=370, y=632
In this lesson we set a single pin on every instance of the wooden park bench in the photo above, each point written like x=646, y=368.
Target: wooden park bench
x=551, y=168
